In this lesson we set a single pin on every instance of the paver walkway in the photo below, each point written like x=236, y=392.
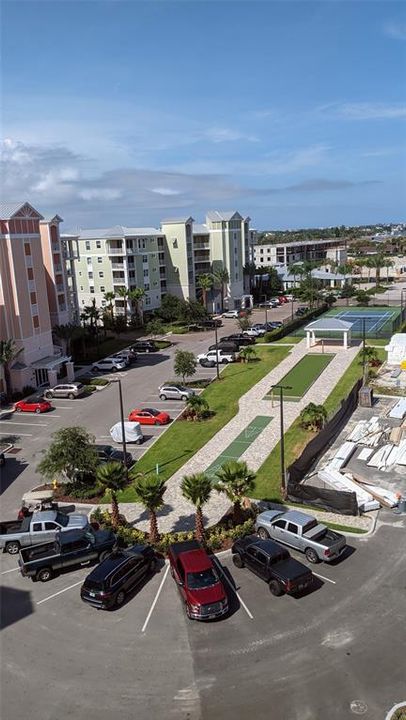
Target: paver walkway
x=178, y=514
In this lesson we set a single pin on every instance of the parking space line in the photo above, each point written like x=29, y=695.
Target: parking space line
x=19, y=434
x=59, y=593
x=333, y=582
x=250, y=615
x=155, y=600
x=9, y=571
x=14, y=422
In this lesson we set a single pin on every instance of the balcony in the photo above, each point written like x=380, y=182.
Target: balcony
x=114, y=250
x=202, y=256
x=60, y=288
x=117, y=266
x=201, y=244
x=31, y=285
x=162, y=272
x=57, y=267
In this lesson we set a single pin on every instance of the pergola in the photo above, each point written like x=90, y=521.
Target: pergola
x=328, y=325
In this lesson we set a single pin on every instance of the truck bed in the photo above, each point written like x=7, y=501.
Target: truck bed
x=182, y=547
x=38, y=552
x=12, y=526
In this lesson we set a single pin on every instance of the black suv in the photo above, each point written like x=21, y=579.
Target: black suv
x=144, y=346
x=239, y=338
x=107, y=453
x=108, y=584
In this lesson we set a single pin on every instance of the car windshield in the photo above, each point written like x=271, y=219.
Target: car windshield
x=203, y=579
x=151, y=411
x=62, y=519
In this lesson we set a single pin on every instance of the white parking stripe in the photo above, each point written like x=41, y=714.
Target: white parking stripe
x=59, y=593
x=9, y=571
x=19, y=434
x=155, y=600
x=333, y=582
x=233, y=589
x=13, y=422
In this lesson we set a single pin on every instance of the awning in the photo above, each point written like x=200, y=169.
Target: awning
x=50, y=362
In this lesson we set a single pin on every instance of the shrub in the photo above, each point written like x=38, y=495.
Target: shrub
x=17, y=395
x=28, y=390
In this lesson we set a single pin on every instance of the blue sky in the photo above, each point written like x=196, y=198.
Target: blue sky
x=128, y=112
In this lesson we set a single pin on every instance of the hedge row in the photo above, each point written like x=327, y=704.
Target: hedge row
x=293, y=325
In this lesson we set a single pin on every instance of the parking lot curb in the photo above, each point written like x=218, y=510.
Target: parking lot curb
x=393, y=709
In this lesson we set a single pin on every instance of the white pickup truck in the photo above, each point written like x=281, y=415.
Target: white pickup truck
x=224, y=356
x=37, y=528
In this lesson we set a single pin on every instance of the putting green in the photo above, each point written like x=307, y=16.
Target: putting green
x=302, y=376
x=240, y=444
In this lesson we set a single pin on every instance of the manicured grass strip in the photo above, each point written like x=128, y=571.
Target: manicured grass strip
x=268, y=479
x=287, y=340
x=240, y=444
x=302, y=376
x=345, y=528
x=183, y=439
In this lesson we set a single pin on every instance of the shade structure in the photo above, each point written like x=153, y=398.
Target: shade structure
x=328, y=325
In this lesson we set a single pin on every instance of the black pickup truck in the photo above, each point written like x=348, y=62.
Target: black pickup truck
x=272, y=563
x=70, y=548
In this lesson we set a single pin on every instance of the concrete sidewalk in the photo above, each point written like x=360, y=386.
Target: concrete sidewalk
x=178, y=514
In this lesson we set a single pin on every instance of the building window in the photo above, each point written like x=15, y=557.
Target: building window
x=131, y=273
x=92, y=289
x=33, y=298
x=101, y=274
x=160, y=242
x=81, y=287
x=27, y=248
x=102, y=288
x=80, y=273
x=146, y=273
x=146, y=286
x=89, y=260
x=98, y=244
x=236, y=276
x=235, y=251
x=99, y=259
x=30, y=273
x=145, y=258
x=148, y=300
x=141, y=244
x=87, y=244
x=90, y=274
x=35, y=321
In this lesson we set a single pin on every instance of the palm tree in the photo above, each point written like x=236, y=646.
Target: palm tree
x=205, y=283
x=221, y=277
x=111, y=477
x=313, y=417
x=109, y=297
x=197, y=489
x=149, y=490
x=8, y=353
x=248, y=353
x=249, y=270
x=93, y=314
x=196, y=407
x=123, y=293
x=135, y=296
x=65, y=333
x=236, y=481
x=377, y=262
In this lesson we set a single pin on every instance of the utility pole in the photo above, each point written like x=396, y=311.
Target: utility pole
x=117, y=380
x=217, y=352
x=266, y=317
x=363, y=352
x=281, y=388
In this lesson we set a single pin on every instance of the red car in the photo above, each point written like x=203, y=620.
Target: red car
x=149, y=416
x=37, y=405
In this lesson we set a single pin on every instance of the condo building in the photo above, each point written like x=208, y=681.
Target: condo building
x=292, y=252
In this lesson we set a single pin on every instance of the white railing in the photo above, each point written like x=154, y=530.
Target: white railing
x=115, y=251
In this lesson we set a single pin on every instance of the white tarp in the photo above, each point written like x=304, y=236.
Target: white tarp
x=338, y=481
x=342, y=455
x=367, y=432
x=389, y=497
x=132, y=431
x=399, y=410
x=388, y=455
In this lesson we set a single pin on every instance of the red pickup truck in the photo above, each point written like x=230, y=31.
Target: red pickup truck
x=198, y=582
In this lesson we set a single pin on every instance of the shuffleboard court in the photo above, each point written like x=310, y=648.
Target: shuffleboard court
x=302, y=376
x=240, y=444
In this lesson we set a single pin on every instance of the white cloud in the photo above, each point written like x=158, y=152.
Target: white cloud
x=223, y=134
x=368, y=111
x=395, y=30
x=165, y=191
x=100, y=194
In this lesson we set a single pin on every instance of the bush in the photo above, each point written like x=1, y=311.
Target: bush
x=293, y=325
x=28, y=390
x=17, y=395
x=99, y=381
x=89, y=389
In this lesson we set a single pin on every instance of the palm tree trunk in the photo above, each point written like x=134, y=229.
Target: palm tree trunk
x=115, y=514
x=237, y=514
x=153, y=527
x=7, y=379
x=199, y=525
x=222, y=297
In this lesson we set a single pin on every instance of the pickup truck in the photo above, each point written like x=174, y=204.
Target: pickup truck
x=197, y=579
x=302, y=532
x=224, y=356
x=273, y=564
x=36, y=528
x=75, y=547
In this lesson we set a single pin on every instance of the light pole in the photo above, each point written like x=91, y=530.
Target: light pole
x=217, y=352
x=363, y=352
x=117, y=380
x=266, y=317
x=281, y=388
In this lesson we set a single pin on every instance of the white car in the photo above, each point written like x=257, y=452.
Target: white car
x=224, y=356
x=251, y=332
x=230, y=314
x=109, y=364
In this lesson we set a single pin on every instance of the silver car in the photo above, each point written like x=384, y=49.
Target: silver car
x=67, y=390
x=175, y=392
x=109, y=364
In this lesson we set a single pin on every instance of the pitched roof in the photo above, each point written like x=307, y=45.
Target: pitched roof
x=118, y=231
x=199, y=229
x=217, y=215
x=330, y=324
x=50, y=219
x=9, y=209
x=177, y=221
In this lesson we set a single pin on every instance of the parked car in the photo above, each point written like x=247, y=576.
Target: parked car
x=66, y=390
x=302, y=532
x=273, y=564
x=239, y=338
x=226, y=345
x=230, y=314
x=121, y=358
x=276, y=324
x=301, y=310
x=144, y=346
x=109, y=583
x=283, y=299
x=277, y=301
x=69, y=549
x=223, y=356
x=251, y=332
x=260, y=329
x=2, y=459
x=108, y=453
x=109, y=364
x=132, y=432
x=207, y=363
x=149, y=416
x=36, y=528
x=33, y=404
x=197, y=580
x=175, y=392
x=210, y=324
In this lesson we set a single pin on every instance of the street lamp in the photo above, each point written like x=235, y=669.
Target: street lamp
x=266, y=318
x=364, y=360
x=117, y=380
x=217, y=351
x=281, y=388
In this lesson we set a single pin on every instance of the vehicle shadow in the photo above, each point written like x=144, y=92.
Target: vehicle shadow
x=347, y=552
x=15, y=605
x=230, y=588
x=317, y=584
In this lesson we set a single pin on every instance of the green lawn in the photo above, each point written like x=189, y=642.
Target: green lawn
x=183, y=439
x=288, y=340
x=302, y=376
x=296, y=438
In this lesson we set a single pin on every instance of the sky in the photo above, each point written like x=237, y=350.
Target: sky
x=128, y=112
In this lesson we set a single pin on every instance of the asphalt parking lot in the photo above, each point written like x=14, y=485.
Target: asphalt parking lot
x=336, y=652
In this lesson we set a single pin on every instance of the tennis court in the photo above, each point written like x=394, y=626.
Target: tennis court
x=240, y=444
x=379, y=322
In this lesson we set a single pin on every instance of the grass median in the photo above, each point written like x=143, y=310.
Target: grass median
x=268, y=478
x=183, y=439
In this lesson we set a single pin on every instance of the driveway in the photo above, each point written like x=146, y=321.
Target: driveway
x=334, y=653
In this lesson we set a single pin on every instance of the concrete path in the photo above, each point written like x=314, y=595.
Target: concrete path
x=178, y=514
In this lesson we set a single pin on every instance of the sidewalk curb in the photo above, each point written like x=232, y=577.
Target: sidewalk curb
x=394, y=708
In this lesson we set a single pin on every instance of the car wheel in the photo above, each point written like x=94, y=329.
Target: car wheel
x=44, y=575
x=139, y=441
x=18, y=409
x=263, y=534
x=71, y=396
x=37, y=410
x=238, y=561
x=183, y=397
x=157, y=422
x=224, y=361
x=13, y=547
x=162, y=397
x=104, y=555
x=120, y=598
x=275, y=588
x=48, y=396
x=311, y=555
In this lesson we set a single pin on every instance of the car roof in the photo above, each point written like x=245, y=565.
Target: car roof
x=268, y=546
x=298, y=517
x=105, y=568
x=44, y=516
x=103, y=447
x=196, y=560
